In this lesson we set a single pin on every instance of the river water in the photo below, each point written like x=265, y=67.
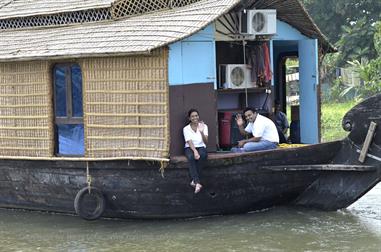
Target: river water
x=357, y=228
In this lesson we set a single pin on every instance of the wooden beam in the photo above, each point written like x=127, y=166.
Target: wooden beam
x=320, y=167
x=367, y=142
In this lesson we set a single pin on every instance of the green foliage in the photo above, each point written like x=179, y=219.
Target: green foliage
x=370, y=75
x=337, y=92
x=354, y=27
x=369, y=72
x=292, y=62
x=377, y=37
x=349, y=24
x=356, y=42
x=332, y=115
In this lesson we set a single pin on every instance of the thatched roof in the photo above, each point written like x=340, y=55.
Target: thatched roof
x=24, y=8
x=136, y=34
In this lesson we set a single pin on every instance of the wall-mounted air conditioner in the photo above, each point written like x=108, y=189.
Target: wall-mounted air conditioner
x=234, y=76
x=258, y=22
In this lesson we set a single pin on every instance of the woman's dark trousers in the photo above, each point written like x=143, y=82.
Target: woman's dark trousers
x=196, y=166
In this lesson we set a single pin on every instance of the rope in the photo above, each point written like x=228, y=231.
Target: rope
x=88, y=177
x=163, y=165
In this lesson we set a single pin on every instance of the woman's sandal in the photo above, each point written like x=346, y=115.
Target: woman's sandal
x=198, y=188
x=192, y=184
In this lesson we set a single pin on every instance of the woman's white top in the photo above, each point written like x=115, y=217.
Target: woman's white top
x=196, y=137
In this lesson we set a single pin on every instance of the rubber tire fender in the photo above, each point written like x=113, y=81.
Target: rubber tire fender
x=79, y=201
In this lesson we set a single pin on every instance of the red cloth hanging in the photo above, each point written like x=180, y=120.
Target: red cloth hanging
x=266, y=54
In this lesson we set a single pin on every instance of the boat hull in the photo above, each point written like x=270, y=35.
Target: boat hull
x=136, y=189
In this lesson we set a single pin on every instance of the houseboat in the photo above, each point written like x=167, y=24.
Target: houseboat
x=94, y=94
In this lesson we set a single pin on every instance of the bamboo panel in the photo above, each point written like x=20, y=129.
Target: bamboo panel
x=37, y=133
x=120, y=122
x=25, y=110
x=110, y=133
x=126, y=106
x=19, y=110
x=23, y=143
x=73, y=17
x=123, y=8
x=179, y=3
x=113, y=109
x=38, y=122
x=13, y=101
x=132, y=7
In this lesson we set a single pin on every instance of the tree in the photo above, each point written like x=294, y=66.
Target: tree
x=369, y=72
x=348, y=24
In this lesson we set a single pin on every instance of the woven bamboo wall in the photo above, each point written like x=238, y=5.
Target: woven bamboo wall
x=25, y=110
x=122, y=8
x=126, y=106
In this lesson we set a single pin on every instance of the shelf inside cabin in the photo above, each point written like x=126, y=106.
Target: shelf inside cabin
x=242, y=90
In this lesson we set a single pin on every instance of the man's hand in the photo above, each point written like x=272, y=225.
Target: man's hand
x=241, y=143
x=239, y=120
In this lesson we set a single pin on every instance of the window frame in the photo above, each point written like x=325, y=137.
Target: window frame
x=69, y=119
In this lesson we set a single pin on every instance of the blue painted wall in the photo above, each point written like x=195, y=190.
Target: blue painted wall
x=287, y=32
x=289, y=39
x=192, y=60
x=308, y=86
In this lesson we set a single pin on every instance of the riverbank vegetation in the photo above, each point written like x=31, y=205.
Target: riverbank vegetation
x=353, y=73
x=331, y=116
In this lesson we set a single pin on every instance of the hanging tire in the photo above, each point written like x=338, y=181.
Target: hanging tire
x=89, y=205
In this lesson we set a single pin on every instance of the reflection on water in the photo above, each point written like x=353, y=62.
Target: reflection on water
x=357, y=228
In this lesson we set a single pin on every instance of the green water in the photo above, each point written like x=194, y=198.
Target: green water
x=357, y=228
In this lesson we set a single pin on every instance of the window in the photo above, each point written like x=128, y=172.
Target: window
x=68, y=108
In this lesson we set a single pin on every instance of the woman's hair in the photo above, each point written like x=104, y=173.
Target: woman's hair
x=191, y=111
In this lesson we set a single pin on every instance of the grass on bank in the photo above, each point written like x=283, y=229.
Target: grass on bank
x=331, y=116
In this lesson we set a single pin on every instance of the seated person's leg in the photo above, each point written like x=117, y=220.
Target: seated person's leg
x=237, y=150
x=282, y=137
x=261, y=145
x=203, y=153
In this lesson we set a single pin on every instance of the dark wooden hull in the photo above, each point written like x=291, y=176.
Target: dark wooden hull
x=325, y=176
x=232, y=183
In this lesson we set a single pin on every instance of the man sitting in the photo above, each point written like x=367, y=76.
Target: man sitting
x=263, y=130
x=281, y=123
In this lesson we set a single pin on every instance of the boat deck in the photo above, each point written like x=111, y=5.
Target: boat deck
x=228, y=154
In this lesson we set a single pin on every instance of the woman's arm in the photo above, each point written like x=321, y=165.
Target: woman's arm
x=204, y=138
x=201, y=127
x=195, y=152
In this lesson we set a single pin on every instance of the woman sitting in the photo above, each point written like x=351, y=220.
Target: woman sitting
x=196, y=138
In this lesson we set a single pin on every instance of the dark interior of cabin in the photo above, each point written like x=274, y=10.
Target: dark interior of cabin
x=224, y=103
x=230, y=100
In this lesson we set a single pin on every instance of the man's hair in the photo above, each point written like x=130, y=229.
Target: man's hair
x=249, y=108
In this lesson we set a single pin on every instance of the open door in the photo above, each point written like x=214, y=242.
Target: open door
x=308, y=81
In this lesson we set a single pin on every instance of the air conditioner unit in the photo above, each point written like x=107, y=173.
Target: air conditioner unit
x=258, y=22
x=234, y=76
